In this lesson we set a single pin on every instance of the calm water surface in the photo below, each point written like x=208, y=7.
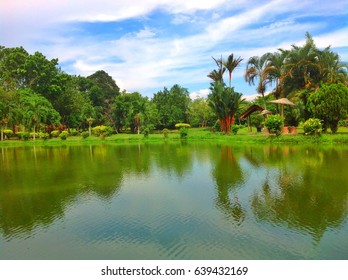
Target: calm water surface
x=174, y=201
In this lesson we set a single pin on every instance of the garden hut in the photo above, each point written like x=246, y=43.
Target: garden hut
x=282, y=101
x=248, y=112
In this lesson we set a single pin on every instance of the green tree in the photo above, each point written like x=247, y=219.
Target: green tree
x=200, y=113
x=258, y=70
x=329, y=103
x=37, y=109
x=230, y=64
x=9, y=109
x=172, y=106
x=225, y=102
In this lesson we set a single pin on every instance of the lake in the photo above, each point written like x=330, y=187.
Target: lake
x=176, y=200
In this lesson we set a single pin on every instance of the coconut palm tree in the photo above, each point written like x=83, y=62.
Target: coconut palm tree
x=258, y=69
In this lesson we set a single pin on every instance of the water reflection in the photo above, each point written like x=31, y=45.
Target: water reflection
x=228, y=176
x=174, y=200
x=308, y=191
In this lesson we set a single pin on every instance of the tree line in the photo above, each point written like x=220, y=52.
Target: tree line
x=36, y=95
x=316, y=80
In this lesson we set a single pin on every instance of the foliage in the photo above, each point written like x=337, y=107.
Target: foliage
x=146, y=132
x=183, y=132
x=64, y=135
x=55, y=133
x=8, y=132
x=165, y=132
x=102, y=130
x=180, y=125
x=74, y=132
x=44, y=135
x=330, y=104
x=312, y=126
x=225, y=102
x=85, y=134
x=200, y=113
x=23, y=135
x=235, y=129
x=172, y=106
x=343, y=123
x=275, y=123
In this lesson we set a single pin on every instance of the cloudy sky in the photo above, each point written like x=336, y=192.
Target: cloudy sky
x=146, y=45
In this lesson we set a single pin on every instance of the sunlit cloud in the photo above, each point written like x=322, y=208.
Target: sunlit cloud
x=146, y=45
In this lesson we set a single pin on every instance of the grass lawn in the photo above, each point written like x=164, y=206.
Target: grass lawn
x=194, y=134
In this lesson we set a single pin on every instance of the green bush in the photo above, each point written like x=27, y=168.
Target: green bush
x=182, y=125
x=165, y=132
x=63, y=135
x=37, y=135
x=55, y=133
x=235, y=129
x=183, y=132
x=146, y=132
x=102, y=130
x=274, y=123
x=312, y=127
x=85, y=134
x=44, y=135
x=8, y=133
x=74, y=132
x=217, y=126
x=23, y=135
x=343, y=123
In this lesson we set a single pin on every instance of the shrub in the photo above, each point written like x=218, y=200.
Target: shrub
x=44, y=135
x=217, y=126
x=235, y=129
x=102, y=130
x=146, y=132
x=165, y=132
x=63, y=135
x=55, y=133
x=312, y=127
x=8, y=133
x=37, y=135
x=183, y=132
x=343, y=123
x=182, y=125
x=23, y=135
x=85, y=134
x=74, y=132
x=274, y=123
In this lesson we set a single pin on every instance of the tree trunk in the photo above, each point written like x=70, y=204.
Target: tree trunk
x=34, y=133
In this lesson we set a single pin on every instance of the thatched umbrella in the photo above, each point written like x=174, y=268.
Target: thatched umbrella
x=265, y=112
x=283, y=101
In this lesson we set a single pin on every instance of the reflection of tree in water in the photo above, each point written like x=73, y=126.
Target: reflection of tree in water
x=306, y=196
x=228, y=176
x=175, y=158
x=36, y=188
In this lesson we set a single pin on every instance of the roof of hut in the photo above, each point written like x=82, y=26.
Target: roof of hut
x=251, y=110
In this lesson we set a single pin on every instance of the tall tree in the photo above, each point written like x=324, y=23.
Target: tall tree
x=230, y=64
x=257, y=70
x=37, y=109
x=172, y=106
x=225, y=102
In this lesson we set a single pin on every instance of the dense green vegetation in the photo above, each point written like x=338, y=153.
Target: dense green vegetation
x=39, y=100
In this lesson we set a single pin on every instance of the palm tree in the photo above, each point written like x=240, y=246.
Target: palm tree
x=230, y=64
x=276, y=71
x=332, y=69
x=225, y=102
x=258, y=69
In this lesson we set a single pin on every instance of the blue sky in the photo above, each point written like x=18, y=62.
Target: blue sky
x=146, y=45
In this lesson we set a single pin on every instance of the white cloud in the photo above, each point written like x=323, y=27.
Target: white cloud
x=149, y=57
x=202, y=93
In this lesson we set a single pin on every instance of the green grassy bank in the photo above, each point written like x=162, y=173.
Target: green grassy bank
x=194, y=134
